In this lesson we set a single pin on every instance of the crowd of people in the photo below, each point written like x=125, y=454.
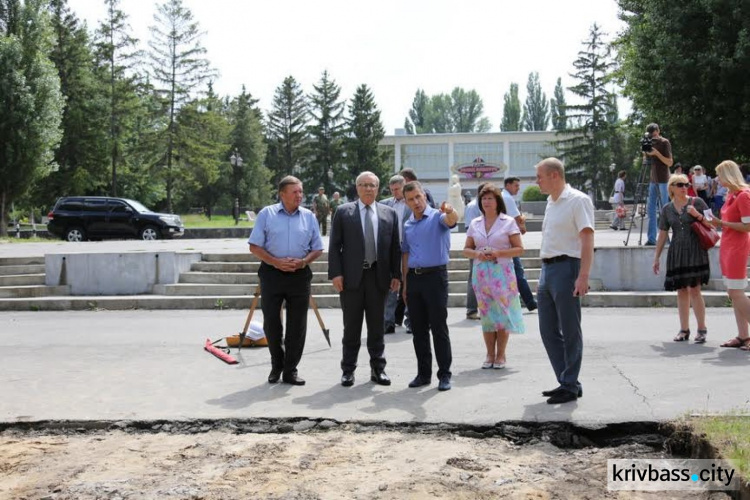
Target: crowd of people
x=393, y=253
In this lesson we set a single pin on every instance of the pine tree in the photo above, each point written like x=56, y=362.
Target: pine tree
x=117, y=56
x=287, y=130
x=251, y=181
x=365, y=131
x=585, y=148
x=80, y=169
x=536, y=107
x=511, y=121
x=557, y=108
x=326, y=134
x=31, y=104
x=178, y=69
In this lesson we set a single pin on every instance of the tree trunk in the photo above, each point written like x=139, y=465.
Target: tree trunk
x=3, y=215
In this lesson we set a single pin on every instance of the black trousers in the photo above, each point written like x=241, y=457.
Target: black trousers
x=366, y=302
x=427, y=300
x=276, y=288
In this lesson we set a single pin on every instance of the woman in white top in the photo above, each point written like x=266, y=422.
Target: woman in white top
x=701, y=183
x=619, y=220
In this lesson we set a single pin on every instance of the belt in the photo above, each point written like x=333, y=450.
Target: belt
x=426, y=270
x=368, y=265
x=559, y=258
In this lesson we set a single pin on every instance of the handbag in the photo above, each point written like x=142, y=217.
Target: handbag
x=708, y=237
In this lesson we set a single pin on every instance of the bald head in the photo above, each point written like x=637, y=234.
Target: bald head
x=550, y=176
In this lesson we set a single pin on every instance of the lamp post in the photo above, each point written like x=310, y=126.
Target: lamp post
x=236, y=161
x=330, y=181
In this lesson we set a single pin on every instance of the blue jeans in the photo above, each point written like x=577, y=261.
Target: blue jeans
x=560, y=321
x=654, y=192
x=527, y=296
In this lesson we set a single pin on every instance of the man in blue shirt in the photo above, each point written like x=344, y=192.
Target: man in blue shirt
x=286, y=238
x=425, y=255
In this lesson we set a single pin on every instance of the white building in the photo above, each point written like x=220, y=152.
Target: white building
x=496, y=155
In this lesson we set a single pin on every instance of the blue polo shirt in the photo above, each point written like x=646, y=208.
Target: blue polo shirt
x=428, y=240
x=284, y=234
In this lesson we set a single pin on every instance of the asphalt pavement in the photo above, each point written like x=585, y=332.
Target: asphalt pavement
x=143, y=365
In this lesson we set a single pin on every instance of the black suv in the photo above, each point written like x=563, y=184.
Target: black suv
x=77, y=218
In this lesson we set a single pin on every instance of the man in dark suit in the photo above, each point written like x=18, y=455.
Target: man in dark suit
x=364, y=264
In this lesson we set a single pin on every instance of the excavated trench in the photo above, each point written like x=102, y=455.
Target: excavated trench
x=303, y=458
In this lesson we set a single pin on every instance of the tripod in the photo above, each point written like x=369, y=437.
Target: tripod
x=640, y=199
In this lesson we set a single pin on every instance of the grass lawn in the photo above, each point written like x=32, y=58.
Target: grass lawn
x=197, y=220
x=730, y=434
x=13, y=239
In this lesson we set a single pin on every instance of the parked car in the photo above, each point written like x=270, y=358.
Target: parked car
x=78, y=218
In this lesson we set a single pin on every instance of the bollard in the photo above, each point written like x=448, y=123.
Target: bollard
x=18, y=230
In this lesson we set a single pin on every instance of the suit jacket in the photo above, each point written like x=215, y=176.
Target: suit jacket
x=346, y=248
x=390, y=202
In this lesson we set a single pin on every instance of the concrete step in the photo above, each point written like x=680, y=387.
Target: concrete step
x=13, y=292
x=594, y=299
x=252, y=279
x=12, y=270
x=22, y=280
x=21, y=261
x=248, y=257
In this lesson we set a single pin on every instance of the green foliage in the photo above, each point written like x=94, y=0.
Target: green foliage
x=178, y=69
x=685, y=66
x=536, y=107
x=31, y=105
x=327, y=136
x=557, y=108
x=364, y=132
x=511, y=121
x=459, y=111
x=286, y=130
x=533, y=193
x=587, y=146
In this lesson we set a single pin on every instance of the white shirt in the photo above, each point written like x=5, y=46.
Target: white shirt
x=510, y=204
x=373, y=218
x=619, y=190
x=700, y=182
x=564, y=220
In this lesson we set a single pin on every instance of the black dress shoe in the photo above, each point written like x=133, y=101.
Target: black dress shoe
x=444, y=384
x=547, y=394
x=419, y=382
x=390, y=329
x=380, y=378
x=274, y=376
x=532, y=307
x=347, y=379
x=562, y=397
x=293, y=380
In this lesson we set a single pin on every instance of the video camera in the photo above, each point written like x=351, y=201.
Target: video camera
x=647, y=144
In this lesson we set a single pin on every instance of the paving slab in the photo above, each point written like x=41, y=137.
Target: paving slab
x=143, y=365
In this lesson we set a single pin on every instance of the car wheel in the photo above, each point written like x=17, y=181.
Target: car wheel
x=75, y=234
x=149, y=233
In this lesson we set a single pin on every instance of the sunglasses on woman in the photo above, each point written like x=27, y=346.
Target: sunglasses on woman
x=681, y=184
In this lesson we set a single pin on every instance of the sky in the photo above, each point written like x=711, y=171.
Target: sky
x=393, y=46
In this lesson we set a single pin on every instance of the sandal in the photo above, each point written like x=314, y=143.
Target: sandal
x=745, y=345
x=701, y=337
x=735, y=342
x=682, y=335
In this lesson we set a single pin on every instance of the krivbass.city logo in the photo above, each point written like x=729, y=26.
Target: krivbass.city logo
x=671, y=474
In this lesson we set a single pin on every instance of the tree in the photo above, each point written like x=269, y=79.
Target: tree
x=364, y=132
x=326, y=134
x=685, y=66
x=117, y=55
x=178, y=68
x=467, y=110
x=536, y=107
x=419, y=119
x=557, y=108
x=586, y=148
x=459, y=111
x=80, y=169
x=287, y=129
x=251, y=180
x=30, y=101
x=511, y=121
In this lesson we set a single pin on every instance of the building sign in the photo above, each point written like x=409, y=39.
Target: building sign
x=479, y=169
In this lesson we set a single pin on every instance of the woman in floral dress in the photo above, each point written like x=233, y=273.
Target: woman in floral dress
x=492, y=240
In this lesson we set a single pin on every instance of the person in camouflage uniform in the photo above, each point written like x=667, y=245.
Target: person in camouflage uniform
x=335, y=202
x=321, y=207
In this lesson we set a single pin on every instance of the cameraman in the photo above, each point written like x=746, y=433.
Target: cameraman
x=661, y=159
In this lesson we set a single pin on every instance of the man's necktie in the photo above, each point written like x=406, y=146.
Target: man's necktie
x=370, y=252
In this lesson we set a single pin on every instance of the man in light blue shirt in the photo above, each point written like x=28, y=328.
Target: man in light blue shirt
x=425, y=255
x=286, y=238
